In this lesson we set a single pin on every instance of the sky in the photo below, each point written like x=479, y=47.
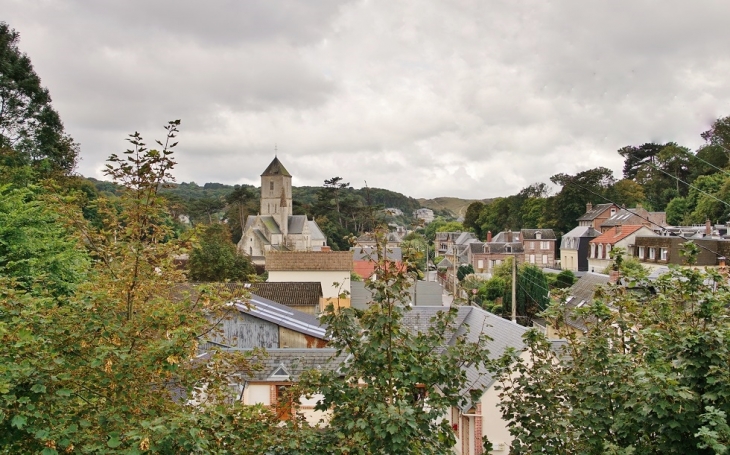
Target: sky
x=471, y=99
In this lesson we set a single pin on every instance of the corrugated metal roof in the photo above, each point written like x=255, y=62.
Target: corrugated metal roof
x=282, y=315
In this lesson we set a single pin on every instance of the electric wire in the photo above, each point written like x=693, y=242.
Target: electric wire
x=689, y=184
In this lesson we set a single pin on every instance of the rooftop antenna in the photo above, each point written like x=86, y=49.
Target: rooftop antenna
x=276, y=149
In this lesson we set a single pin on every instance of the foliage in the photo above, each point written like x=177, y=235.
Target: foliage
x=215, y=258
x=463, y=271
x=31, y=131
x=578, y=190
x=565, y=279
x=532, y=294
x=104, y=366
x=397, y=410
x=651, y=375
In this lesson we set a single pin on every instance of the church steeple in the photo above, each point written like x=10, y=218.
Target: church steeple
x=276, y=196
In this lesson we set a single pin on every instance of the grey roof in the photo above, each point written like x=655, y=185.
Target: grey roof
x=501, y=247
x=293, y=362
x=623, y=216
x=568, y=239
x=282, y=315
x=501, y=237
x=531, y=234
x=471, y=322
x=582, y=293
x=464, y=237
x=288, y=293
x=271, y=224
x=296, y=223
x=477, y=247
x=371, y=253
x=315, y=232
x=445, y=262
x=276, y=168
x=595, y=212
x=261, y=236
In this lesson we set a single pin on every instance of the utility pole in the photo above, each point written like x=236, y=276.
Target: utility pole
x=455, y=270
x=514, y=287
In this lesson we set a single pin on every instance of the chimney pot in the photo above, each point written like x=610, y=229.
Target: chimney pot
x=708, y=227
x=489, y=236
x=589, y=207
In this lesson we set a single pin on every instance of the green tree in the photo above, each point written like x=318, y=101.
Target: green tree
x=565, y=279
x=473, y=211
x=215, y=257
x=104, y=366
x=677, y=211
x=388, y=412
x=577, y=190
x=533, y=294
x=463, y=271
x=651, y=375
x=31, y=131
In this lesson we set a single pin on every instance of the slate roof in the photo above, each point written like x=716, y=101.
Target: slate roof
x=477, y=247
x=595, y=212
x=270, y=224
x=581, y=293
x=472, y=322
x=464, y=237
x=611, y=236
x=281, y=315
x=501, y=237
x=293, y=362
x=531, y=234
x=276, y=168
x=315, y=233
x=501, y=247
x=568, y=239
x=296, y=223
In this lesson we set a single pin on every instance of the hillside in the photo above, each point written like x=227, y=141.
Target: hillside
x=454, y=205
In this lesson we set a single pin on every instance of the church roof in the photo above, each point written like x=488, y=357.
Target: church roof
x=276, y=168
x=296, y=223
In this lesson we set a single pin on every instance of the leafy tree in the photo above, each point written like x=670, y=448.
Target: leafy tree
x=216, y=259
x=532, y=294
x=627, y=193
x=565, y=279
x=651, y=375
x=708, y=159
x=31, y=131
x=577, y=190
x=242, y=202
x=677, y=210
x=104, y=366
x=719, y=133
x=463, y=271
x=472, y=216
x=398, y=409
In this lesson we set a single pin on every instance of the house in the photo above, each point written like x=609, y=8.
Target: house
x=620, y=236
x=657, y=252
x=581, y=293
x=364, y=260
x=595, y=216
x=480, y=418
x=424, y=214
x=275, y=227
x=329, y=268
x=280, y=368
x=575, y=248
x=302, y=296
x=443, y=241
x=393, y=211
x=392, y=240
x=485, y=256
x=539, y=246
x=421, y=293
x=262, y=323
x=636, y=216
x=457, y=244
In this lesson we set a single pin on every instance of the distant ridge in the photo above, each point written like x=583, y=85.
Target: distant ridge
x=454, y=205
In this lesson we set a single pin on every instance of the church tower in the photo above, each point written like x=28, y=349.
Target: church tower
x=276, y=197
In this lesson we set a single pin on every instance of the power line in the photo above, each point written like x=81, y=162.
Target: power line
x=689, y=184
x=708, y=163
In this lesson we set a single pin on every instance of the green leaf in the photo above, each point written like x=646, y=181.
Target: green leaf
x=18, y=421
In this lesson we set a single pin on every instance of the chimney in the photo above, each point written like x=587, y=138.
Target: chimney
x=618, y=229
x=489, y=236
x=589, y=207
x=509, y=236
x=326, y=248
x=613, y=276
x=708, y=227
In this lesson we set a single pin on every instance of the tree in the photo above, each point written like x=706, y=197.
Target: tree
x=533, y=294
x=626, y=193
x=576, y=191
x=104, y=366
x=677, y=210
x=463, y=271
x=651, y=375
x=473, y=211
x=565, y=279
x=30, y=129
x=390, y=395
x=637, y=158
x=215, y=258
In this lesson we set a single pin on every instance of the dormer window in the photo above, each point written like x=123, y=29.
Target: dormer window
x=538, y=235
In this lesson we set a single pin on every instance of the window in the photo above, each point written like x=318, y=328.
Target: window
x=544, y=258
x=508, y=249
x=532, y=259
x=593, y=250
x=652, y=253
x=544, y=245
x=271, y=186
x=480, y=264
x=641, y=252
x=663, y=254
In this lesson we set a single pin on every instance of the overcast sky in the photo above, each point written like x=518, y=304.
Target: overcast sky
x=430, y=98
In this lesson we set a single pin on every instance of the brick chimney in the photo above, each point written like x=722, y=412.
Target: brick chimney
x=589, y=207
x=509, y=236
x=326, y=248
x=489, y=236
x=708, y=228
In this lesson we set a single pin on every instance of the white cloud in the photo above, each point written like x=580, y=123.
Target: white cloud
x=429, y=98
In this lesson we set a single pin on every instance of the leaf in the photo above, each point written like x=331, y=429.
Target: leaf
x=18, y=421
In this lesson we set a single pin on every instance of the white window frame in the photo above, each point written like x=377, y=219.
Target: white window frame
x=544, y=258
x=652, y=253
x=663, y=254
x=641, y=252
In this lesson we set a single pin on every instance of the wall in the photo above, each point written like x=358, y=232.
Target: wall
x=291, y=339
x=244, y=331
